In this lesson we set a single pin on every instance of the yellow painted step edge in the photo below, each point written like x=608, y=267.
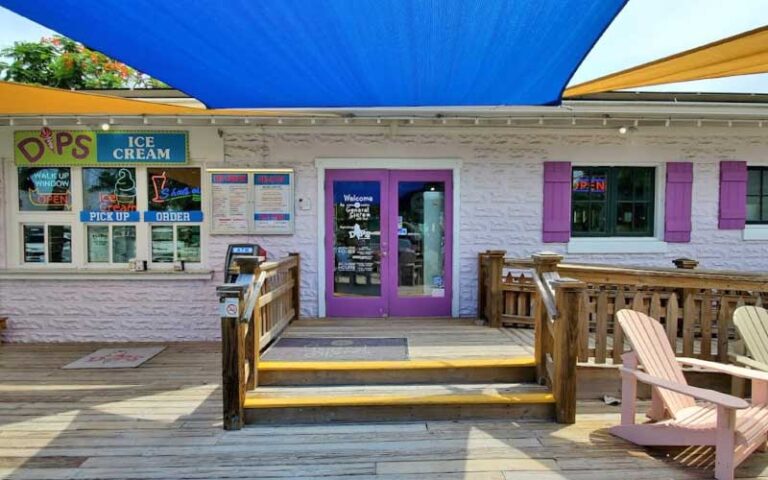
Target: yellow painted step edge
x=398, y=364
x=395, y=400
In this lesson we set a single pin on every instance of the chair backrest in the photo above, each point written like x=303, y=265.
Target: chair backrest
x=655, y=354
x=752, y=324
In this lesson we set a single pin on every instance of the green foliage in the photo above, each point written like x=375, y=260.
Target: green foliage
x=63, y=63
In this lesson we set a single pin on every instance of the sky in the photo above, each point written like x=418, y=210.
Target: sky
x=645, y=30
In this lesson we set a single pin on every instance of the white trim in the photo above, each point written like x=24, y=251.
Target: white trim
x=617, y=245
x=126, y=274
x=755, y=232
x=654, y=244
x=323, y=164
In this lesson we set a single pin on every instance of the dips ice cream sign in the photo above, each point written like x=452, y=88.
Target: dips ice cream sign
x=46, y=147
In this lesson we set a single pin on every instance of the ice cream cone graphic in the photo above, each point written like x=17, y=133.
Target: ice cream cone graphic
x=47, y=135
x=125, y=187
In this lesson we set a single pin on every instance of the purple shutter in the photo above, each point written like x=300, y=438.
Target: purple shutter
x=557, y=202
x=677, y=204
x=733, y=195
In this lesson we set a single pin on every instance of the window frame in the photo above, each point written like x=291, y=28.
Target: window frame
x=16, y=218
x=46, y=246
x=611, y=203
x=110, y=246
x=763, y=193
x=175, y=226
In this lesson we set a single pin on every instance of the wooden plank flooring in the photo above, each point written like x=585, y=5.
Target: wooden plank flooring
x=162, y=421
x=428, y=338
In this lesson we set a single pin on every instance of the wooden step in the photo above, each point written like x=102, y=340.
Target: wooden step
x=398, y=403
x=441, y=371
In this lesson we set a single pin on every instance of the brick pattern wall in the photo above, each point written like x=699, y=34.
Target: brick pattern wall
x=500, y=208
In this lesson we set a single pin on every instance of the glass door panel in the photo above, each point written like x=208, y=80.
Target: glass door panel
x=357, y=238
x=421, y=230
x=356, y=242
x=421, y=239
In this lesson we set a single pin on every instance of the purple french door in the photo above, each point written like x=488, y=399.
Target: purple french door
x=388, y=242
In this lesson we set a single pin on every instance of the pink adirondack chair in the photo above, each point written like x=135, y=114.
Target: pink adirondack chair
x=732, y=425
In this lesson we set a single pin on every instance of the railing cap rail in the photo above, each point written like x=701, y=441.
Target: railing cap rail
x=655, y=276
x=230, y=289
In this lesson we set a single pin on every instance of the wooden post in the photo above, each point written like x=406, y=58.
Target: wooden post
x=296, y=300
x=565, y=351
x=233, y=381
x=495, y=271
x=249, y=269
x=481, y=273
x=543, y=262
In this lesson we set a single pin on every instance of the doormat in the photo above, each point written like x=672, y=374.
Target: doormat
x=115, y=358
x=320, y=349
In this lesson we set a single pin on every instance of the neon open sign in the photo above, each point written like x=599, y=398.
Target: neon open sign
x=589, y=184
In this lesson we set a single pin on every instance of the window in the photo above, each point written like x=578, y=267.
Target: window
x=174, y=189
x=612, y=201
x=45, y=189
x=91, y=216
x=47, y=243
x=172, y=243
x=111, y=243
x=757, y=195
x=109, y=189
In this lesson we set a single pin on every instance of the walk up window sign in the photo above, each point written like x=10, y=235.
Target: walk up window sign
x=252, y=201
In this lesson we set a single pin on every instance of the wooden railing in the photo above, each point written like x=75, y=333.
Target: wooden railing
x=517, y=291
x=254, y=311
x=695, y=306
x=543, y=299
x=556, y=317
x=574, y=319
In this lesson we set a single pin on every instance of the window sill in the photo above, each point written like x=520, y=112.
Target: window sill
x=755, y=232
x=617, y=245
x=61, y=274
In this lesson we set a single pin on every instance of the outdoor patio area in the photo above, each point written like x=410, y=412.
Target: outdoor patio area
x=163, y=420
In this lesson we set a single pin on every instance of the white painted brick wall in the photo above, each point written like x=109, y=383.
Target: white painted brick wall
x=500, y=208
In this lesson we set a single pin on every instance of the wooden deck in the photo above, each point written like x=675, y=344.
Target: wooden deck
x=163, y=421
x=428, y=338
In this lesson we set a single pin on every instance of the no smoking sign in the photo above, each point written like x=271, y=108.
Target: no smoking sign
x=229, y=308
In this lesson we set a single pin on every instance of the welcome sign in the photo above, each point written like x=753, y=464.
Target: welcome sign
x=47, y=147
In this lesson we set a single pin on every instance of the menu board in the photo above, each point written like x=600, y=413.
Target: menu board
x=273, y=203
x=229, y=203
x=252, y=202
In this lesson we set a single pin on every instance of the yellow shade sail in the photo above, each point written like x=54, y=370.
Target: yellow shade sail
x=743, y=54
x=20, y=99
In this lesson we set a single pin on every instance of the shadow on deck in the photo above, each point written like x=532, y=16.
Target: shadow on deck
x=163, y=420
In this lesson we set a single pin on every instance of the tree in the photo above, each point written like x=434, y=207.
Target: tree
x=61, y=62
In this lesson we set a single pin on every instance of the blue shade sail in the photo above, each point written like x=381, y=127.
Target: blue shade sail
x=341, y=53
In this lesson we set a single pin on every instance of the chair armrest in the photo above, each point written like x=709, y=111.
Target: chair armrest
x=711, y=396
x=747, y=362
x=733, y=370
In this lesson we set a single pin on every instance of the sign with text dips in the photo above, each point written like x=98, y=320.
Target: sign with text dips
x=86, y=147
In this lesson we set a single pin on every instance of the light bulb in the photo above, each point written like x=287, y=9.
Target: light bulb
x=105, y=126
